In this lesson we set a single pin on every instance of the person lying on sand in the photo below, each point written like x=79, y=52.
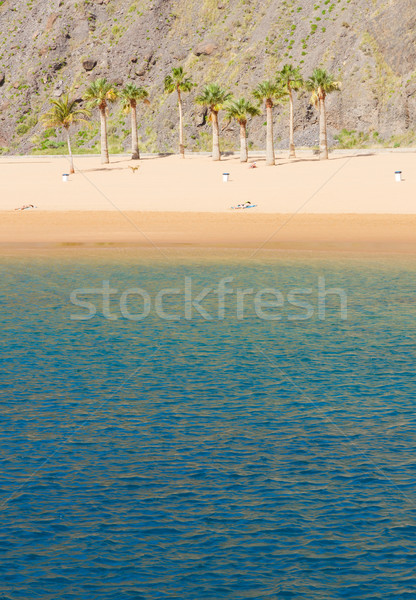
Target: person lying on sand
x=253, y=166
x=244, y=205
x=25, y=207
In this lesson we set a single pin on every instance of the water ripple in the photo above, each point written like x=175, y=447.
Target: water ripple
x=243, y=459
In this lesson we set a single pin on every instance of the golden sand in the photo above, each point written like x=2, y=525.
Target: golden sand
x=346, y=204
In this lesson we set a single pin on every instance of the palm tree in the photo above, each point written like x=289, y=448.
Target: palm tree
x=179, y=83
x=98, y=95
x=214, y=98
x=291, y=79
x=321, y=83
x=269, y=92
x=64, y=113
x=240, y=110
x=130, y=96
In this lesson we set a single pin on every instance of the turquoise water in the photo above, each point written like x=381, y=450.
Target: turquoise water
x=219, y=459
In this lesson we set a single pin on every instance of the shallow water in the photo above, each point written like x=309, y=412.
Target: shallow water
x=223, y=458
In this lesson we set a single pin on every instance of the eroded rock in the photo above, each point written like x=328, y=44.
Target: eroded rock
x=89, y=64
x=205, y=48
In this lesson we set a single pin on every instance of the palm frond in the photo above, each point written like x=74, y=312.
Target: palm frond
x=65, y=112
x=213, y=97
x=177, y=81
x=132, y=94
x=270, y=91
x=99, y=93
x=290, y=76
x=321, y=83
x=240, y=110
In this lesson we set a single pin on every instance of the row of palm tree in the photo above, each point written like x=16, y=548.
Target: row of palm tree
x=101, y=93
x=65, y=112
x=270, y=92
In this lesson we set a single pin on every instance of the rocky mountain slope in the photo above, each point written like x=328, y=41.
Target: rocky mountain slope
x=47, y=48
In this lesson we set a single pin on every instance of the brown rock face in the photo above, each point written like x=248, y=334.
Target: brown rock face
x=89, y=65
x=369, y=45
x=392, y=25
x=205, y=48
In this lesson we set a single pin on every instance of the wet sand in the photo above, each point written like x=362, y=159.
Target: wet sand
x=322, y=233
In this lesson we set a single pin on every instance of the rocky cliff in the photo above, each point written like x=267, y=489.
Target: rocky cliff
x=47, y=48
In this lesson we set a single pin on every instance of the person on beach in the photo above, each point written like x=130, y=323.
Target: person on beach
x=25, y=207
x=243, y=205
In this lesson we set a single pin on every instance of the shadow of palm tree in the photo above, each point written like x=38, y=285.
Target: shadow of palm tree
x=103, y=169
x=317, y=159
x=144, y=157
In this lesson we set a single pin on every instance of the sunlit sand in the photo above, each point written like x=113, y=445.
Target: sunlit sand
x=346, y=203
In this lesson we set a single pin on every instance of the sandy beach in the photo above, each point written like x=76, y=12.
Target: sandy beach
x=348, y=204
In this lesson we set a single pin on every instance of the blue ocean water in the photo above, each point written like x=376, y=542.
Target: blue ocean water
x=207, y=458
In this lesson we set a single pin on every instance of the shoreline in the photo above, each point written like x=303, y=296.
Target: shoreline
x=48, y=231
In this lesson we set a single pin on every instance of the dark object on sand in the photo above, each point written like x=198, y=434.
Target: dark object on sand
x=243, y=206
x=25, y=207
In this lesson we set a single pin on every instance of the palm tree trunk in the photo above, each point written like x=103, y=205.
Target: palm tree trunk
x=104, y=141
x=292, y=153
x=323, y=142
x=135, y=154
x=181, y=142
x=216, y=154
x=71, y=158
x=243, y=142
x=270, y=159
